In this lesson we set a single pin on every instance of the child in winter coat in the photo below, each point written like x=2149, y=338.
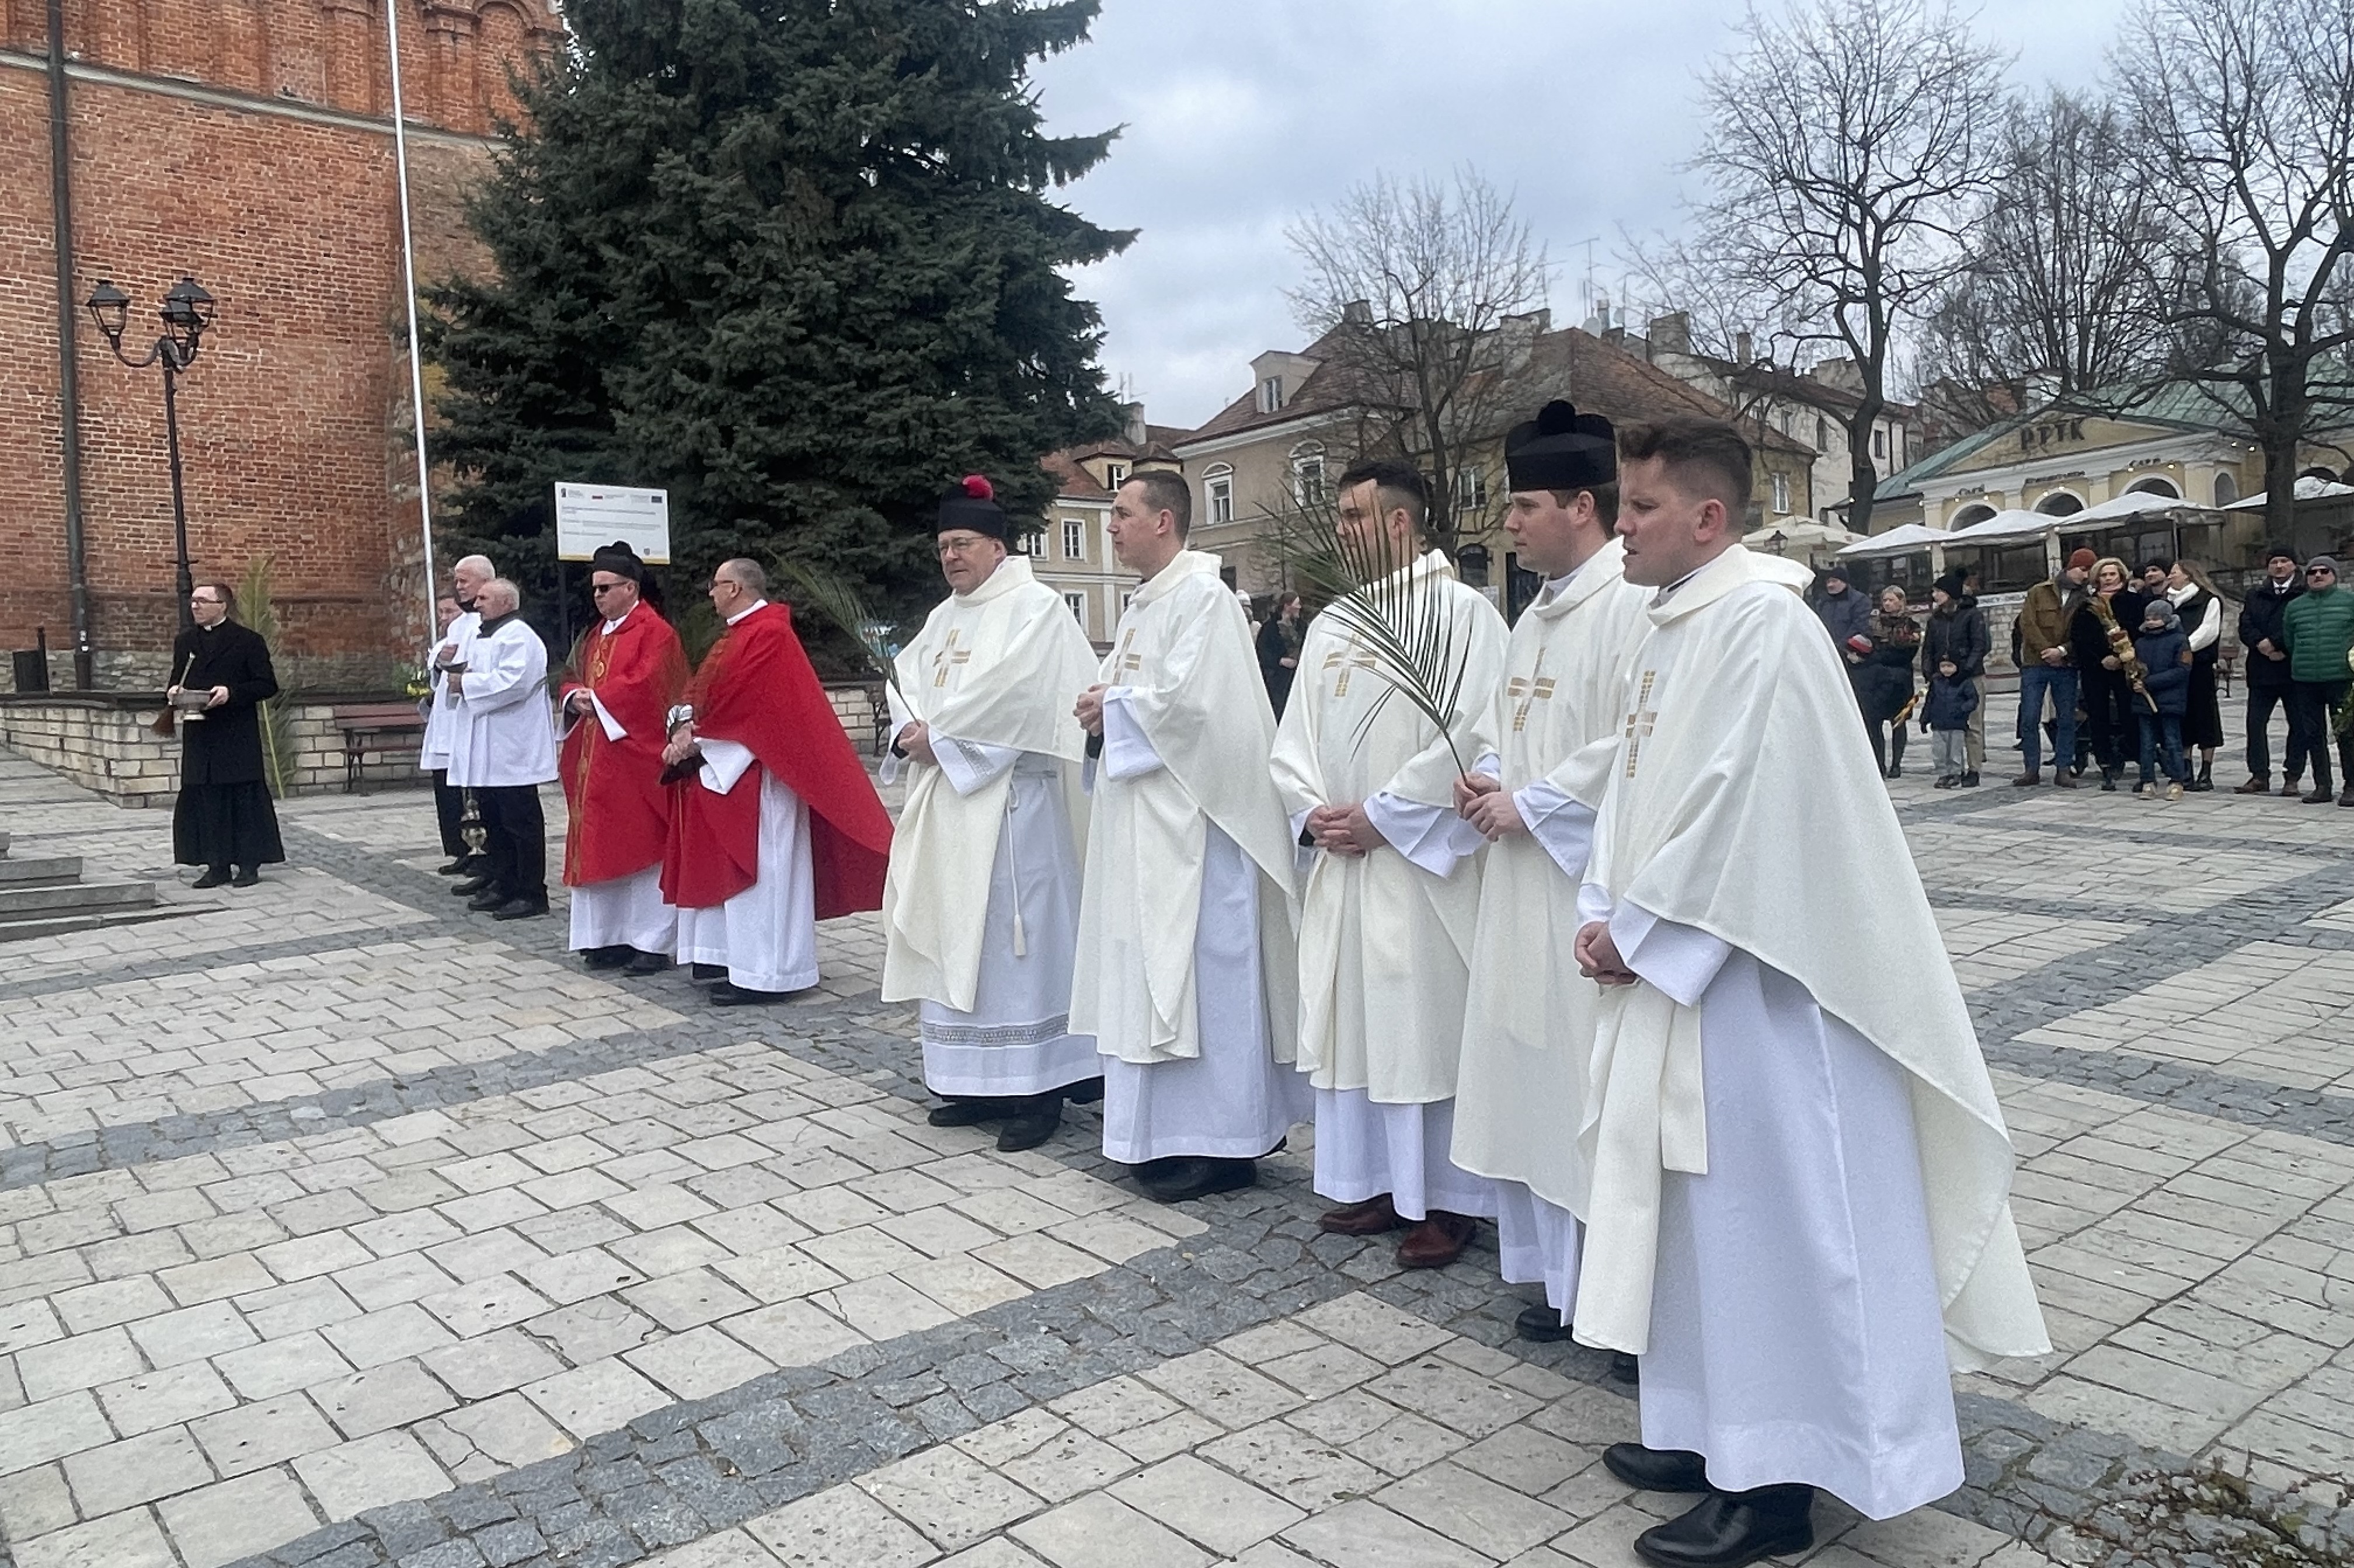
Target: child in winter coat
x=1946, y=714
x=2163, y=650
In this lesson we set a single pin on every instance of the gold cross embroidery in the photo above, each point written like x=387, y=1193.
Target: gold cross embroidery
x=949, y=656
x=1355, y=657
x=1527, y=689
x=1129, y=663
x=1641, y=722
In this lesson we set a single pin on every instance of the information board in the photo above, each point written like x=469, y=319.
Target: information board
x=590, y=516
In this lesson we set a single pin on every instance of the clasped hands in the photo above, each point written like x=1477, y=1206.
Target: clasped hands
x=681, y=743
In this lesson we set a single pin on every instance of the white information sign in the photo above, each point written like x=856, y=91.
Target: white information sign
x=590, y=515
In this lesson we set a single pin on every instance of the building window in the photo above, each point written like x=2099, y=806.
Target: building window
x=1115, y=475
x=1470, y=490
x=1308, y=473
x=1781, y=494
x=1034, y=543
x=1074, y=539
x=1270, y=395
x=1079, y=603
x=1879, y=442
x=1822, y=435
x=2227, y=489
x=1218, y=489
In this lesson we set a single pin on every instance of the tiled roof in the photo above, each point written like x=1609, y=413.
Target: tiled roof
x=1078, y=484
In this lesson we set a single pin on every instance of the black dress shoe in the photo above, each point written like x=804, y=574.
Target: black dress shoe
x=727, y=993
x=458, y=867
x=1970, y=779
x=1187, y=1176
x=473, y=887
x=488, y=899
x=606, y=957
x=1625, y=1368
x=1731, y=1529
x=246, y=876
x=1086, y=1091
x=1541, y=1325
x=969, y=1110
x=1656, y=1470
x=707, y=972
x=520, y=909
x=213, y=876
x=1032, y=1122
x=645, y=963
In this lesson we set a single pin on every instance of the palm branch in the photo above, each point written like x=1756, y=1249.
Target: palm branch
x=837, y=600
x=1402, y=620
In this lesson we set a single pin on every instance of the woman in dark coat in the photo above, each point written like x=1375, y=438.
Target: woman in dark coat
x=1882, y=673
x=224, y=817
x=2200, y=608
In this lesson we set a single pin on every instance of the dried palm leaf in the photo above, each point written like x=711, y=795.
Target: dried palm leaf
x=1402, y=618
x=833, y=597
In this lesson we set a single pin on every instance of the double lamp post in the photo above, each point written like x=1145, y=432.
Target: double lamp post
x=188, y=312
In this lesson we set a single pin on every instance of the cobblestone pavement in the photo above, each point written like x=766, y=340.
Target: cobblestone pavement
x=340, y=1227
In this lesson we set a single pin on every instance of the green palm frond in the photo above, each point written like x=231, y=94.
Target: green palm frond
x=835, y=598
x=258, y=610
x=1402, y=620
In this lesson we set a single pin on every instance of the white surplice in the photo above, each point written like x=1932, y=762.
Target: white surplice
x=441, y=714
x=996, y=825
x=1184, y=970
x=1530, y=1021
x=1385, y=938
x=1795, y=1175
x=766, y=935
x=503, y=733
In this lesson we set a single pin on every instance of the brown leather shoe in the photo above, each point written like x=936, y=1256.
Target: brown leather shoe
x=2259, y=785
x=2064, y=779
x=2027, y=780
x=1436, y=1242
x=1370, y=1218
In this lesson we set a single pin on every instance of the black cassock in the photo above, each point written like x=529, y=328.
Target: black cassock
x=225, y=817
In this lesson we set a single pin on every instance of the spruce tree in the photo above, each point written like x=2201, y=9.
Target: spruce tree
x=796, y=261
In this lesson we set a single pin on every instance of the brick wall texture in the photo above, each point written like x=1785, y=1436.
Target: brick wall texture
x=247, y=143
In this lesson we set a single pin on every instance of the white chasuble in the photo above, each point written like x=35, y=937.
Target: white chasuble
x=1530, y=1021
x=1385, y=938
x=1797, y=1176
x=1185, y=966
x=995, y=828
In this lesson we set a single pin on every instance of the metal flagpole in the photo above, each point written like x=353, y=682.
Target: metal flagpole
x=409, y=276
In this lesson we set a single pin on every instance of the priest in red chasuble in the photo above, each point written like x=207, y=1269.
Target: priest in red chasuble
x=775, y=825
x=616, y=706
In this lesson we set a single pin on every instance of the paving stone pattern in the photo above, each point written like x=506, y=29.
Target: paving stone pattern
x=340, y=1227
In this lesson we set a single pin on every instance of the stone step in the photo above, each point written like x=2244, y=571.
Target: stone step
x=74, y=898
x=20, y=929
x=41, y=870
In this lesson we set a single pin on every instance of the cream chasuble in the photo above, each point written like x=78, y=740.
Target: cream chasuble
x=1745, y=837
x=1188, y=679
x=993, y=674
x=1531, y=1019
x=1385, y=944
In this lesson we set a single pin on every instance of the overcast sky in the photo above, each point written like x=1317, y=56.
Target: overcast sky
x=1241, y=113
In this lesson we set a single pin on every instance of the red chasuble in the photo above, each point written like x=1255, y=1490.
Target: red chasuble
x=620, y=809
x=756, y=687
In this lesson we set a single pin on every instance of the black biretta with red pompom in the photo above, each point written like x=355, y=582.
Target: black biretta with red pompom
x=973, y=505
x=1560, y=448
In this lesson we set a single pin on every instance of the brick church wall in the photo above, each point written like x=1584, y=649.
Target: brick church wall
x=247, y=143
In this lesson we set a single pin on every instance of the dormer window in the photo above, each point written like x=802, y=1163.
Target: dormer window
x=1115, y=475
x=1270, y=394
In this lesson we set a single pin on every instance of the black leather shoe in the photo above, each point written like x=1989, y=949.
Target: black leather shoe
x=707, y=972
x=1656, y=1470
x=1187, y=1177
x=726, y=993
x=246, y=876
x=1625, y=1368
x=1970, y=779
x=1032, y=1122
x=213, y=876
x=488, y=899
x=1086, y=1091
x=520, y=909
x=1731, y=1529
x=473, y=887
x=606, y=957
x=459, y=867
x=2318, y=797
x=1539, y=1325
x=643, y=963
x=969, y=1110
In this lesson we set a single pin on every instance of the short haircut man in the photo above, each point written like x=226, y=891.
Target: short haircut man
x=1165, y=490
x=1705, y=457
x=1399, y=485
x=748, y=572
x=222, y=591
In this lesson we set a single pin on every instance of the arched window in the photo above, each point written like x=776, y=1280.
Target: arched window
x=1308, y=473
x=2060, y=503
x=1969, y=515
x=2227, y=488
x=1822, y=436
x=1218, y=491
x=2155, y=485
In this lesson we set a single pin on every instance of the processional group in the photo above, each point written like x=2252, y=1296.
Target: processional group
x=1600, y=928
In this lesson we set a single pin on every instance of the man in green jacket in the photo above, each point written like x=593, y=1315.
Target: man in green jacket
x=2319, y=630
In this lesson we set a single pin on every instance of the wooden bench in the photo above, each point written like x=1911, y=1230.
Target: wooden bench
x=371, y=727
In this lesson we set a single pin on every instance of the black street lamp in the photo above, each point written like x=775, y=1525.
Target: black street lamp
x=188, y=312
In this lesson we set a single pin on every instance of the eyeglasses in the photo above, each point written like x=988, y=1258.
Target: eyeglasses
x=2319, y=572
x=602, y=587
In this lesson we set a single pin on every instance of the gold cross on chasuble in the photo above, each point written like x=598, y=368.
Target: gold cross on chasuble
x=1524, y=690
x=1129, y=663
x=1641, y=722
x=1356, y=656
x=949, y=658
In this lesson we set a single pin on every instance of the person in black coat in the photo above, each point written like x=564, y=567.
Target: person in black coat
x=1278, y=650
x=2112, y=731
x=1881, y=670
x=224, y=817
x=2267, y=672
x=1956, y=634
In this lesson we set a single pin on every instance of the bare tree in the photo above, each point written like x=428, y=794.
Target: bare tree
x=1848, y=144
x=2243, y=120
x=1414, y=285
x=2055, y=302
